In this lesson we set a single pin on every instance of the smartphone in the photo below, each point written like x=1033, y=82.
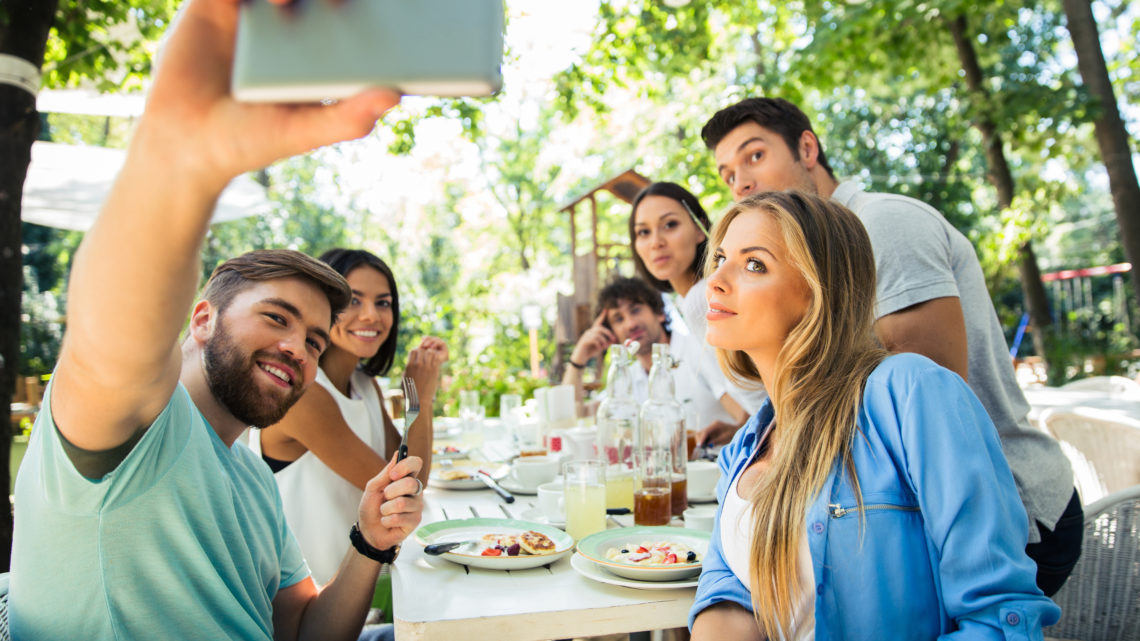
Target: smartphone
x=314, y=50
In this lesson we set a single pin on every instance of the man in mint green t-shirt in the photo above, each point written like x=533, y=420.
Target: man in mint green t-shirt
x=137, y=515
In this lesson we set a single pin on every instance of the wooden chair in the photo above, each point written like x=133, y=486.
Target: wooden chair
x=1101, y=599
x=1103, y=448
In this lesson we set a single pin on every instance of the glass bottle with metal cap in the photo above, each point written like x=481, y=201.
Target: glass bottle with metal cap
x=663, y=424
x=617, y=428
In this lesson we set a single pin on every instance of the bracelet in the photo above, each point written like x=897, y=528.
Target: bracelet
x=575, y=365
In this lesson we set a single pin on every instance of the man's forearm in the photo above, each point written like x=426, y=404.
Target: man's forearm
x=339, y=609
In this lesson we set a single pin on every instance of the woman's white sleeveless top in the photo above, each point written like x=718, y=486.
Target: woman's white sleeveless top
x=736, y=544
x=321, y=506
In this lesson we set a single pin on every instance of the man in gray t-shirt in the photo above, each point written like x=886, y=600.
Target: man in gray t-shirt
x=931, y=299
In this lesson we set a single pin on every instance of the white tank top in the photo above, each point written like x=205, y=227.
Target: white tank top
x=736, y=545
x=320, y=506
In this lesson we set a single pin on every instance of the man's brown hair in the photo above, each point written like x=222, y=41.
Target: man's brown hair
x=238, y=274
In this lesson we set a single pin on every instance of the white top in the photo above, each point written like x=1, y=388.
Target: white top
x=693, y=306
x=689, y=383
x=320, y=505
x=736, y=546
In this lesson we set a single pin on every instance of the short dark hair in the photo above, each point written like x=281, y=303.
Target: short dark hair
x=683, y=196
x=775, y=114
x=630, y=290
x=346, y=260
x=239, y=274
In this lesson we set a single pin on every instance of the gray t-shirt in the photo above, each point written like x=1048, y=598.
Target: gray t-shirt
x=919, y=256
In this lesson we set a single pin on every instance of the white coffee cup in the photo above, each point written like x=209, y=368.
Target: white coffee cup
x=700, y=517
x=551, y=502
x=702, y=478
x=532, y=471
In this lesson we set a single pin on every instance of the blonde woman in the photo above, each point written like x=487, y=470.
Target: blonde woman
x=869, y=498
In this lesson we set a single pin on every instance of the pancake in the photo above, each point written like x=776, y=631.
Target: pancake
x=536, y=543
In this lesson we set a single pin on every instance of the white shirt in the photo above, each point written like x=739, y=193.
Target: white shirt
x=689, y=383
x=736, y=544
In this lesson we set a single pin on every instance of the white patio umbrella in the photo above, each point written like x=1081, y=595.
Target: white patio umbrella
x=67, y=184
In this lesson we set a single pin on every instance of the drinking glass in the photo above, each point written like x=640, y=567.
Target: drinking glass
x=509, y=407
x=471, y=415
x=654, y=494
x=585, y=497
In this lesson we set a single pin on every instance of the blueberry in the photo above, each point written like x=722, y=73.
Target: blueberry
x=624, y=551
x=691, y=557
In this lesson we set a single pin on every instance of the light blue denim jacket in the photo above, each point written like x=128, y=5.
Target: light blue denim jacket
x=943, y=552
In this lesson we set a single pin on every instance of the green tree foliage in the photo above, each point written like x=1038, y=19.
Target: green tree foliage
x=882, y=82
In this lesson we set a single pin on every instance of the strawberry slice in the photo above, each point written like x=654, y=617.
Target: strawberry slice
x=492, y=552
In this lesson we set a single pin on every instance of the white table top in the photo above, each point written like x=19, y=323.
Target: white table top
x=437, y=599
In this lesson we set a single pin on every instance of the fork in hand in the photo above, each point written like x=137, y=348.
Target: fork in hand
x=411, y=413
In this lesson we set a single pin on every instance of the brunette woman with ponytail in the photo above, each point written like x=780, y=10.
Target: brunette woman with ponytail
x=869, y=498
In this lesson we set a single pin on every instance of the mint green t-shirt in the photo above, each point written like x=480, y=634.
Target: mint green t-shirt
x=186, y=538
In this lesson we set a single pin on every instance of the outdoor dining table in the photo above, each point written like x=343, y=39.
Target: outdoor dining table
x=1044, y=398
x=437, y=599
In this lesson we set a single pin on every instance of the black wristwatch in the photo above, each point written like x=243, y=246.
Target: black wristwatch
x=365, y=548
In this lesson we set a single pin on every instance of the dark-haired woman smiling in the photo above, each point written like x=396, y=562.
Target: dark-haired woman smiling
x=339, y=436
x=667, y=231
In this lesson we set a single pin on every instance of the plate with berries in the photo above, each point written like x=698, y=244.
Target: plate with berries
x=647, y=553
x=495, y=544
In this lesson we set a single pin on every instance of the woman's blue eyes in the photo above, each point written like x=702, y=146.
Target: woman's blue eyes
x=753, y=264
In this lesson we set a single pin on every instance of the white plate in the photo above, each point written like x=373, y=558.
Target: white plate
x=591, y=570
x=464, y=529
x=439, y=456
x=538, y=516
x=595, y=547
x=496, y=470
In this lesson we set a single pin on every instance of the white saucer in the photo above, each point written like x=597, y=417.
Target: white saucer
x=512, y=485
x=705, y=498
x=538, y=516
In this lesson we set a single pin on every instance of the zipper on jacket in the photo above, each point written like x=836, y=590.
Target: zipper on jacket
x=837, y=511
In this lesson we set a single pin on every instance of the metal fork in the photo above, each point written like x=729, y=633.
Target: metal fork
x=411, y=413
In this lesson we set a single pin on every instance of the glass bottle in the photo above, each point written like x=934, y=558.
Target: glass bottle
x=663, y=424
x=617, y=420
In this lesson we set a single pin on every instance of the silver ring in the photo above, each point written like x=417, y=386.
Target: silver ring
x=420, y=489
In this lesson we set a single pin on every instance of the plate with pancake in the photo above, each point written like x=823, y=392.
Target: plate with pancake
x=489, y=542
x=459, y=474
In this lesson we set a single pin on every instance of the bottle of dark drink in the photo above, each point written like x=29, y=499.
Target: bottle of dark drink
x=663, y=425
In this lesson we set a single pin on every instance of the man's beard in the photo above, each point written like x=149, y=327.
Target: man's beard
x=230, y=375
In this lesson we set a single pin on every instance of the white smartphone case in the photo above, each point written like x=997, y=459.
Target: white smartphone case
x=325, y=49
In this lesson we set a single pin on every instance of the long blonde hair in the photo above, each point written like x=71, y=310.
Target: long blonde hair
x=820, y=372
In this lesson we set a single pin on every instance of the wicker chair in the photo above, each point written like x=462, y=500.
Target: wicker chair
x=1114, y=385
x=1101, y=599
x=1103, y=448
x=4, y=634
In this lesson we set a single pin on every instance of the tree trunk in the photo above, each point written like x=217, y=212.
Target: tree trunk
x=1111, y=136
x=24, y=28
x=1002, y=179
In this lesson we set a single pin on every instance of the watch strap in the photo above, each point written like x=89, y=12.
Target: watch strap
x=365, y=548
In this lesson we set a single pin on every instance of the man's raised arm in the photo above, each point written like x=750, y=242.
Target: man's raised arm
x=135, y=275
